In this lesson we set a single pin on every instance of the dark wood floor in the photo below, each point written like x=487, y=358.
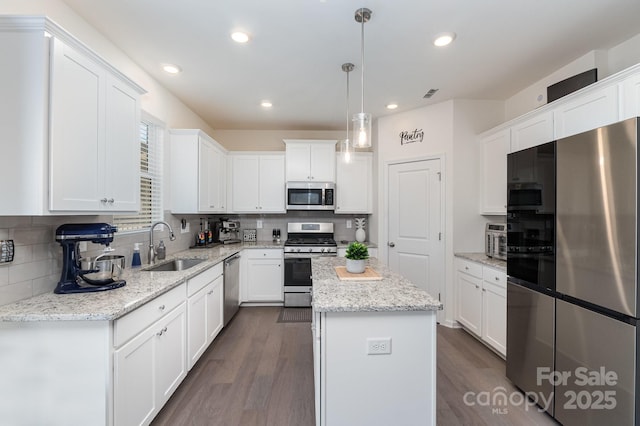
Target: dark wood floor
x=260, y=372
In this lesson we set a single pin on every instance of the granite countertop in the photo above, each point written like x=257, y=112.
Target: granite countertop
x=483, y=259
x=392, y=293
x=142, y=286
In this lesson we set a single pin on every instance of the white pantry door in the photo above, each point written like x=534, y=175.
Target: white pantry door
x=416, y=244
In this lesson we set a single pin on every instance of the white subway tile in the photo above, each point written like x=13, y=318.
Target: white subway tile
x=14, y=292
x=30, y=271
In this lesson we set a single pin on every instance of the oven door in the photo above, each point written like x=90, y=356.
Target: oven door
x=297, y=272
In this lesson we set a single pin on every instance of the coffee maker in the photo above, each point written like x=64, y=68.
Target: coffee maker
x=69, y=236
x=226, y=231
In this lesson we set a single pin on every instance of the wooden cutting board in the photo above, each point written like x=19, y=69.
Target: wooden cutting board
x=368, y=274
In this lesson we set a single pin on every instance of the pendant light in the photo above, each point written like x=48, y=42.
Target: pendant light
x=362, y=120
x=345, y=145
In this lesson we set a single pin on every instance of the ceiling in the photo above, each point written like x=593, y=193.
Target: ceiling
x=297, y=48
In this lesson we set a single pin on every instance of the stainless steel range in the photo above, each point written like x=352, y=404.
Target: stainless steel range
x=305, y=240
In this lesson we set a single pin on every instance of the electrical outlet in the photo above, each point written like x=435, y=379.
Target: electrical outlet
x=185, y=229
x=259, y=224
x=348, y=223
x=379, y=346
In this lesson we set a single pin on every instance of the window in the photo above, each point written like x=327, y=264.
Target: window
x=151, y=137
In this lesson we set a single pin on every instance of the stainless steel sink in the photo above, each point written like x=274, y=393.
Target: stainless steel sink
x=175, y=265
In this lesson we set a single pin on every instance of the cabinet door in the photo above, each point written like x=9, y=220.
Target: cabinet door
x=264, y=280
x=322, y=162
x=122, y=152
x=77, y=132
x=298, y=166
x=532, y=132
x=219, y=188
x=215, y=305
x=135, y=381
x=244, y=183
x=272, y=184
x=494, y=172
x=207, y=185
x=197, y=325
x=354, y=184
x=170, y=353
x=630, y=97
x=470, y=302
x=587, y=112
x=494, y=316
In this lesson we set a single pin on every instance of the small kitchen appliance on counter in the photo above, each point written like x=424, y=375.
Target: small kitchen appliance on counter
x=72, y=279
x=226, y=231
x=495, y=244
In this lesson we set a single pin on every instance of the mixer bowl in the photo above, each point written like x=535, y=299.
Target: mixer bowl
x=108, y=269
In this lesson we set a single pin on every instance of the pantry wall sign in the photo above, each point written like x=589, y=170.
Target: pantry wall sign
x=411, y=136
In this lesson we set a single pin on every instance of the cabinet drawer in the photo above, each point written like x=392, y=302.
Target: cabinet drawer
x=201, y=280
x=264, y=254
x=494, y=276
x=471, y=268
x=136, y=321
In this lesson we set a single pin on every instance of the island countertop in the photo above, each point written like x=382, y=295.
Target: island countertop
x=392, y=293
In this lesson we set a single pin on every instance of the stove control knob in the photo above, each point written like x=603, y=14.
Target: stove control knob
x=310, y=250
x=298, y=250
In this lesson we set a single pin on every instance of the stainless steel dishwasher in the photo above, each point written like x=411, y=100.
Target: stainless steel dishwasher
x=231, y=287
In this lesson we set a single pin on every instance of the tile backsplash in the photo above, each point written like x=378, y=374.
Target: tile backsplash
x=37, y=262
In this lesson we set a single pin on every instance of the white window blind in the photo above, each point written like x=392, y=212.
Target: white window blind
x=151, y=135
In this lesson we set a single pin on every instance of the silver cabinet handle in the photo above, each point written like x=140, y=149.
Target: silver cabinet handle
x=497, y=278
x=103, y=200
x=162, y=307
x=466, y=268
x=210, y=293
x=392, y=244
x=111, y=200
x=161, y=332
x=477, y=286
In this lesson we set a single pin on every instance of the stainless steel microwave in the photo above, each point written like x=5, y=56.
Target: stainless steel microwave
x=311, y=195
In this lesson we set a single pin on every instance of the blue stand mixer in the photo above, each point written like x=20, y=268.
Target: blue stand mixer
x=69, y=236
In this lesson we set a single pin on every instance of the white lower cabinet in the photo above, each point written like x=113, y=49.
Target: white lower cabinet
x=149, y=367
x=263, y=279
x=205, y=311
x=482, y=302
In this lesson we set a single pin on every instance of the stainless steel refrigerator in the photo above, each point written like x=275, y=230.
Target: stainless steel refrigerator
x=597, y=277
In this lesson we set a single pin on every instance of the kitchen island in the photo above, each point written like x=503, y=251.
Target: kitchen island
x=374, y=348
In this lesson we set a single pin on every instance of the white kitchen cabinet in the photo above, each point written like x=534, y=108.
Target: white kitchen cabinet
x=495, y=147
x=204, y=311
x=588, y=111
x=263, y=280
x=532, y=132
x=354, y=184
x=257, y=183
x=469, y=281
x=311, y=160
x=152, y=363
x=198, y=173
x=494, y=309
x=76, y=132
x=482, y=302
x=630, y=89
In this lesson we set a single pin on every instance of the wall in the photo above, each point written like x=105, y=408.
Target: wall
x=450, y=132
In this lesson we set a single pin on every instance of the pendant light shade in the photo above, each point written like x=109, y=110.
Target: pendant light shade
x=345, y=144
x=362, y=120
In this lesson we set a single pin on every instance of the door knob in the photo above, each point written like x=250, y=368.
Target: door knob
x=392, y=244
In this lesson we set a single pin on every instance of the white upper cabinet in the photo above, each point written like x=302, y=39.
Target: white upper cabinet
x=532, y=132
x=630, y=97
x=257, y=183
x=589, y=111
x=198, y=173
x=311, y=160
x=354, y=182
x=495, y=147
x=75, y=146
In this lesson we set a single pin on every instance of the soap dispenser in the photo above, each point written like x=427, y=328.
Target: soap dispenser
x=161, y=253
x=135, y=260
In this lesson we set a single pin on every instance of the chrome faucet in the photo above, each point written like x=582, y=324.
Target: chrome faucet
x=152, y=249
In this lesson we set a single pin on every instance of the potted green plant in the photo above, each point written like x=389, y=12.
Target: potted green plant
x=357, y=254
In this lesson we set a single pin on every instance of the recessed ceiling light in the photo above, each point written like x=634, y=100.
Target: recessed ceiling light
x=443, y=39
x=266, y=104
x=240, y=37
x=392, y=106
x=171, y=68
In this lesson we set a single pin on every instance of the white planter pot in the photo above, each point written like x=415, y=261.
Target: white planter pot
x=356, y=266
